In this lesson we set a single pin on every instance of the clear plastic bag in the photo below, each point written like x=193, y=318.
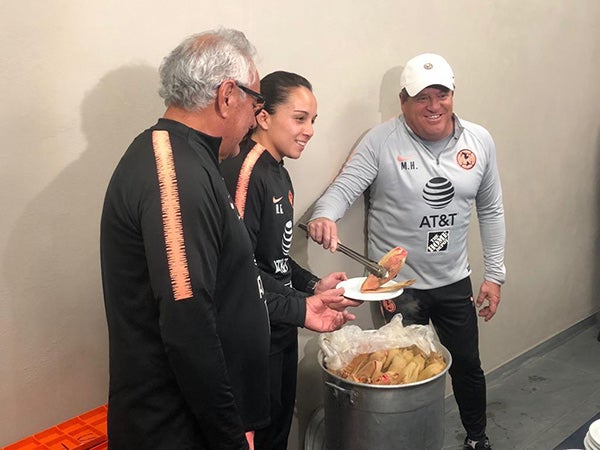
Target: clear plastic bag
x=340, y=347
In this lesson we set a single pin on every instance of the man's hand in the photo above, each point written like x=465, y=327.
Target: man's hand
x=330, y=281
x=327, y=311
x=489, y=291
x=324, y=231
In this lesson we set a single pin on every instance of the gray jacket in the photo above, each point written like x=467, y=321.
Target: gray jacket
x=423, y=202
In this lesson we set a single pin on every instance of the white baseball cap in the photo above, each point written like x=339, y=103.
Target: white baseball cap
x=426, y=70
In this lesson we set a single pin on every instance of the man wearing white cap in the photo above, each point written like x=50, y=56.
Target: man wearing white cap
x=425, y=170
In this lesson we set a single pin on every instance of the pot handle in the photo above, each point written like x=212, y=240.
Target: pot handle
x=352, y=395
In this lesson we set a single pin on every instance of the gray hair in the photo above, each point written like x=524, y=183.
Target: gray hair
x=403, y=95
x=192, y=72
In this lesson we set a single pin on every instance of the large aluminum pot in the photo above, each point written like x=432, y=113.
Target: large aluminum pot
x=370, y=417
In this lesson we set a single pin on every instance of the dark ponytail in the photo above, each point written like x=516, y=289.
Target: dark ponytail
x=276, y=86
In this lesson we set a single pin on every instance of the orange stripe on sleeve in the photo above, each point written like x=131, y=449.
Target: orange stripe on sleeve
x=241, y=189
x=171, y=216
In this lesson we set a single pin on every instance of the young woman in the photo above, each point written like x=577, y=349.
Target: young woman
x=264, y=196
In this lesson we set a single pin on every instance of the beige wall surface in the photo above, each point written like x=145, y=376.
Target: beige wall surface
x=79, y=82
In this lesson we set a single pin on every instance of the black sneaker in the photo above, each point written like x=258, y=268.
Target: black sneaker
x=483, y=444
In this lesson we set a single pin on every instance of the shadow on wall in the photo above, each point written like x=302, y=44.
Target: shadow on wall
x=309, y=396
x=389, y=93
x=389, y=107
x=596, y=272
x=56, y=344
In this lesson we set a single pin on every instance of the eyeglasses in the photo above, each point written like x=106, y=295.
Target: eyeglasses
x=260, y=100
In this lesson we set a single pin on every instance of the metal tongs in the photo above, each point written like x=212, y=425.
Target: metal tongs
x=376, y=269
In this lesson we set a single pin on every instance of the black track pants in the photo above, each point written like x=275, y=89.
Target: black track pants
x=454, y=317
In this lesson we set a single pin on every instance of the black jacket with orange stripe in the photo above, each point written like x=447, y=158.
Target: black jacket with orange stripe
x=264, y=195
x=188, y=327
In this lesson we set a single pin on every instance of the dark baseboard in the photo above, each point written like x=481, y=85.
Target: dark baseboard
x=540, y=349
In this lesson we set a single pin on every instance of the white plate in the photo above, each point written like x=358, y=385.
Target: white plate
x=352, y=290
x=589, y=444
x=594, y=431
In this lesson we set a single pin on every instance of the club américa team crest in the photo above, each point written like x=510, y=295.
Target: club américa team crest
x=466, y=159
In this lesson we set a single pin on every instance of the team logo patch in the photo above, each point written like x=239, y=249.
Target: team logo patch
x=466, y=159
x=438, y=192
x=389, y=305
x=437, y=241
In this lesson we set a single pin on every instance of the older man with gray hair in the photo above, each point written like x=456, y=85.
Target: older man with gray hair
x=188, y=327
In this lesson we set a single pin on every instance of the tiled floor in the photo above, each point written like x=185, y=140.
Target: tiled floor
x=539, y=399
x=535, y=402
